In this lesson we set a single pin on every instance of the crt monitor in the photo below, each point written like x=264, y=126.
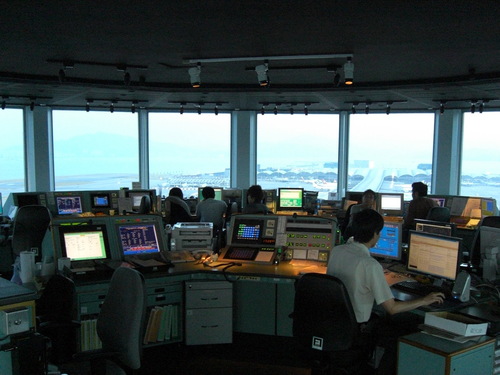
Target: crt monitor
x=138, y=238
x=100, y=201
x=218, y=193
x=69, y=205
x=26, y=199
x=436, y=227
x=434, y=255
x=136, y=196
x=389, y=245
x=290, y=198
x=390, y=204
x=84, y=242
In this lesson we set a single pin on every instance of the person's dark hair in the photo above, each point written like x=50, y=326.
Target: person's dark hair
x=420, y=188
x=370, y=191
x=255, y=192
x=208, y=192
x=365, y=224
x=176, y=192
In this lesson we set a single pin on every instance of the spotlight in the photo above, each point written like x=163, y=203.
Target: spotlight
x=194, y=73
x=349, y=72
x=132, y=109
x=126, y=79
x=112, y=108
x=388, y=108
x=367, y=108
x=87, y=107
x=263, y=110
x=353, y=109
x=306, y=109
x=262, y=74
x=481, y=107
x=441, y=108
x=181, y=109
x=4, y=104
x=275, y=109
x=291, y=110
x=199, y=110
x=473, y=107
x=216, y=110
x=32, y=105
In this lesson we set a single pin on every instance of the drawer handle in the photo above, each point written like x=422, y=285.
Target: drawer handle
x=159, y=290
x=161, y=298
x=214, y=326
x=210, y=299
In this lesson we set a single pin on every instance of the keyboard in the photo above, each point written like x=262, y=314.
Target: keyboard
x=418, y=289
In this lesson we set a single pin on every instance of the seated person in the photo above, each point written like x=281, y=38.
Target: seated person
x=418, y=208
x=368, y=200
x=179, y=210
x=211, y=210
x=255, y=199
x=365, y=282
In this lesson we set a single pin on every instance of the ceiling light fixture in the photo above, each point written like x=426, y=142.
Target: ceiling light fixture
x=4, y=104
x=132, y=108
x=262, y=75
x=349, y=72
x=181, y=109
x=32, y=105
x=388, y=108
x=87, y=107
x=194, y=74
x=216, y=110
x=199, y=109
x=112, y=108
x=306, y=109
x=353, y=109
x=472, y=107
x=481, y=107
x=441, y=108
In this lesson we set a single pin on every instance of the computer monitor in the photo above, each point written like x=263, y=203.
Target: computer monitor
x=441, y=201
x=290, y=199
x=136, y=196
x=390, y=204
x=352, y=197
x=434, y=255
x=28, y=199
x=217, y=190
x=84, y=242
x=489, y=244
x=69, y=205
x=488, y=207
x=436, y=227
x=100, y=201
x=247, y=231
x=311, y=201
x=138, y=238
x=389, y=245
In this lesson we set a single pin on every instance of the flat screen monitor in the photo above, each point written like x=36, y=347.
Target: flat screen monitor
x=138, y=238
x=217, y=190
x=390, y=204
x=84, y=242
x=100, y=200
x=441, y=201
x=389, y=245
x=136, y=197
x=436, y=227
x=434, y=255
x=26, y=199
x=247, y=231
x=69, y=205
x=290, y=198
x=488, y=207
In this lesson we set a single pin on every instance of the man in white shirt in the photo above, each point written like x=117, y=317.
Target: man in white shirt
x=211, y=210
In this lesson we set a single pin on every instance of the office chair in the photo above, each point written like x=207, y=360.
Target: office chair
x=56, y=312
x=177, y=214
x=30, y=225
x=439, y=214
x=325, y=326
x=146, y=205
x=120, y=325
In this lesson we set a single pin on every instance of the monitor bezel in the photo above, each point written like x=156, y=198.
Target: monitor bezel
x=390, y=212
x=133, y=193
x=94, y=196
x=81, y=228
x=386, y=257
x=435, y=276
x=435, y=223
x=287, y=208
x=59, y=212
x=235, y=241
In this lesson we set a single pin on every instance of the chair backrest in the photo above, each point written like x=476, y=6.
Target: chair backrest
x=57, y=302
x=178, y=214
x=439, y=214
x=146, y=205
x=120, y=323
x=323, y=317
x=30, y=225
x=487, y=221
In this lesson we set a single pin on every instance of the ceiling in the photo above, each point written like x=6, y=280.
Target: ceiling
x=412, y=54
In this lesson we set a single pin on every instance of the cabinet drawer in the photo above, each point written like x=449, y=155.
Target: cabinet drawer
x=163, y=298
x=211, y=326
x=199, y=299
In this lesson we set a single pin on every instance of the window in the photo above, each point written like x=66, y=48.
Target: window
x=298, y=151
x=387, y=153
x=188, y=151
x=480, y=155
x=95, y=150
x=11, y=152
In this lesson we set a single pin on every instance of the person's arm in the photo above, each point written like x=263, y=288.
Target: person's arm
x=393, y=307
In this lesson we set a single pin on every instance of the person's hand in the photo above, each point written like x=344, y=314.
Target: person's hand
x=435, y=297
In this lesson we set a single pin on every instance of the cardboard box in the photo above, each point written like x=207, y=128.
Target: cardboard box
x=459, y=324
